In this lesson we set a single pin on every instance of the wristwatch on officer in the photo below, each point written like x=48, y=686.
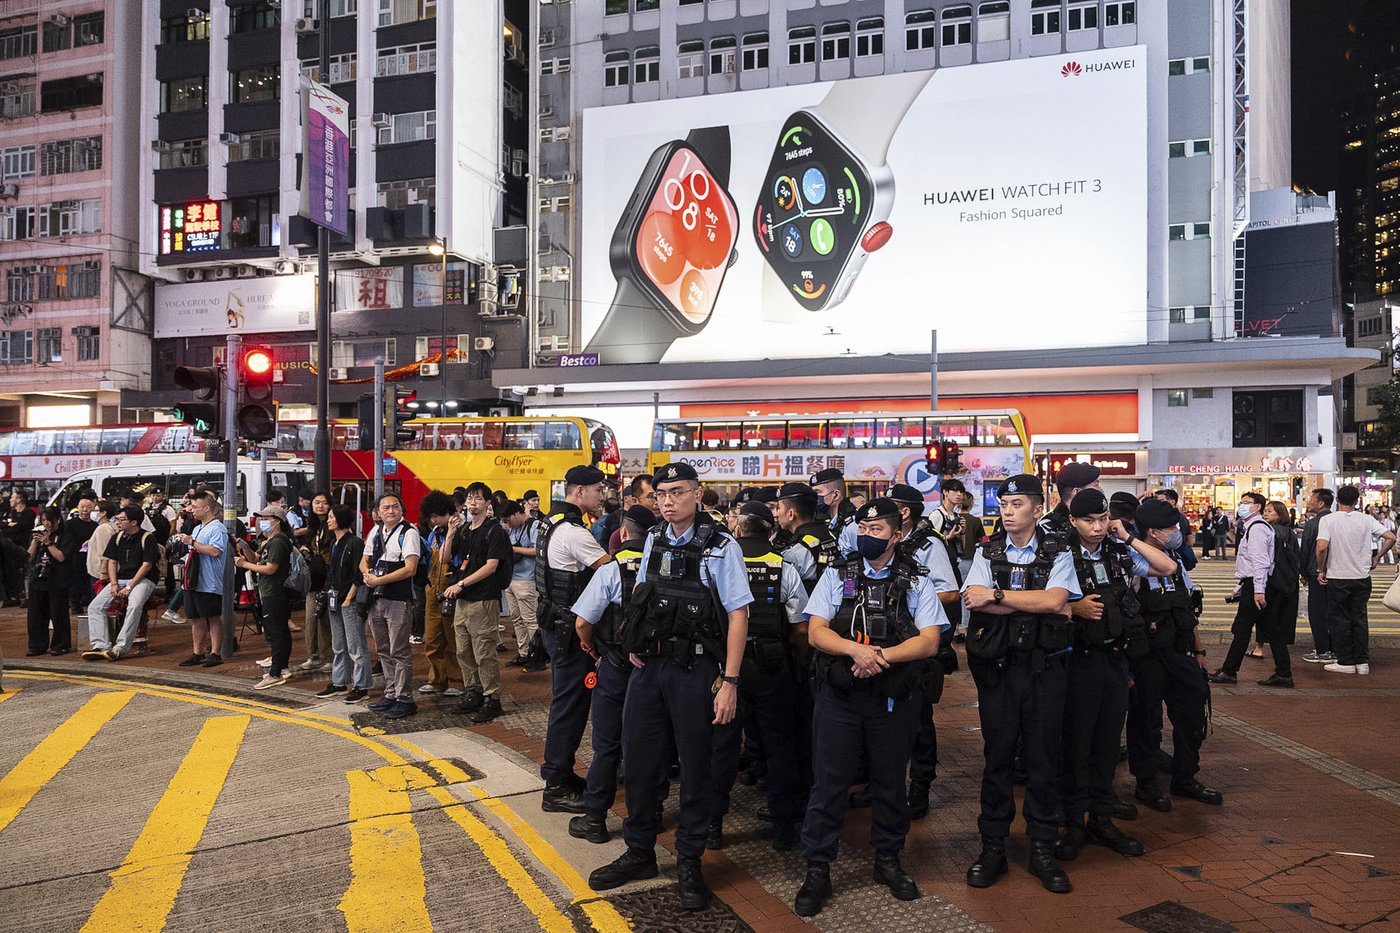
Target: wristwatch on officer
x=997, y=594
x=671, y=249
x=824, y=203
x=733, y=681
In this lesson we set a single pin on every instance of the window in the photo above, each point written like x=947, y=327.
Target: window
x=615, y=8
x=184, y=95
x=16, y=346
x=555, y=66
x=755, y=51
x=690, y=60
x=1200, y=231
x=1083, y=16
x=957, y=26
x=19, y=42
x=1122, y=13
x=722, y=55
x=254, y=16
x=310, y=9
x=75, y=280
x=255, y=85
x=646, y=65
x=1188, y=148
x=89, y=343
x=1176, y=232
x=646, y=6
x=1203, y=393
x=870, y=37
x=17, y=162
x=405, y=11
x=1176, y=315
x=1192, y=231
x=920, y=30
x=342, y=67
x=1177, y=398
x=50, y=345
x=62, y=156
x=65, y=218
x=802, y=45
x=396, y=195
x=16, y=223
x=16, y=99
x=347, y=353
x=71, y=93
x=261, y=144
x=184, y=29
x=1187, y=66
x=19, y=284
x=1201, y=313
x=187, y=153
x=57, y=37
x=405, y=60
x=409, y=127
x=252, y=222
x=616, y=67
x=1200, y=64
x=836, y=42
x=994, y=21
x=1045, y=17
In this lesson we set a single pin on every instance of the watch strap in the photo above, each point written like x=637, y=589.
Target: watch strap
x=712, y=142
x=868, y=111
x=634, y=329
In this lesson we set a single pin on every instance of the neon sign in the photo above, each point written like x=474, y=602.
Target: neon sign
x=190, y=228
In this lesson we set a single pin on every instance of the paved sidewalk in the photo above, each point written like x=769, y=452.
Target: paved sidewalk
x=1309, y=837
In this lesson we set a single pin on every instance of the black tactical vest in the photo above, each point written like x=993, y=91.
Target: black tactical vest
x=995, y=637
x=608, y=631
x=767, y=615
x=817, y=538
x=558, y=589
x=873, y=611
x=1168, y=608
x=1109, y=576
x=682, y=617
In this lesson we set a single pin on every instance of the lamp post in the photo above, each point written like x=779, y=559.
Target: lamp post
x=440, y=249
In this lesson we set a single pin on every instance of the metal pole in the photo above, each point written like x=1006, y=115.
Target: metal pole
x=322, y=451
x=655, y=406
x=442, y=366
x=378, y=428
x=231, y=503
x=262, y=469
x=933, y=370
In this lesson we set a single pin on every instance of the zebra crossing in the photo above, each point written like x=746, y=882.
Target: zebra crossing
x=1217, y=579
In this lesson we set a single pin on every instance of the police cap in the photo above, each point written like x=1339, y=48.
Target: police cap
x=1088, y=502
x=743, y=495
x=529, y=494
x=883, y=507
x=829, y=475
x=1124, y=500
x=584, y=476
x=758, y=511
x=765, y=494
x=673, y=473
x=795, y=491
x=906, y=495
x=1157, y=513
x=1022, y=484
x=1076, y=475
x=641, y=516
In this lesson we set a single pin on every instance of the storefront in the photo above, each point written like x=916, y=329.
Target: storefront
x=1119, y=470
x=1375, y=489
x=1206, y=478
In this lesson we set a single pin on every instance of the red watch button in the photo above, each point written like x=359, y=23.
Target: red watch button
x=876, y=237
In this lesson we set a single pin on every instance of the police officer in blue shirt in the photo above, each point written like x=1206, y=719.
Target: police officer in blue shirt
x=871, y=622
x=599, y=615
x=1017, y=593
x=830, y=487
x=687, y=637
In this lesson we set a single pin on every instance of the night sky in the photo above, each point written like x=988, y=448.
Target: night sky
x=1320, y=39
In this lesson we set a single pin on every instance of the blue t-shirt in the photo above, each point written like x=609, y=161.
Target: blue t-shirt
x=524, y=536
x=211, y=569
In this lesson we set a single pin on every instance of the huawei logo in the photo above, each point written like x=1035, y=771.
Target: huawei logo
x=1071, y=69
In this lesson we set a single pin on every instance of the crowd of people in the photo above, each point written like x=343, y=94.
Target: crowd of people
x=794, y=636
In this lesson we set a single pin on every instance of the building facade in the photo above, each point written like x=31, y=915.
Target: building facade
x=75, y=312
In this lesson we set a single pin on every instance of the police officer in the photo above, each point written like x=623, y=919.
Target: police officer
x=1107, y=626
x=923, y=544
x=830, y=487
x=871, y=622
x=765, y=682
x=566, y=556
x=693, y=593
x=1073, y=477
x=1173, y=670
x=1017, y=593
x=805, y=541
x=600, y=612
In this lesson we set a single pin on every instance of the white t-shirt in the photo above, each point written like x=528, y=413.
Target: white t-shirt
x=573, y=548
x=1349, y=537
x=393, y=551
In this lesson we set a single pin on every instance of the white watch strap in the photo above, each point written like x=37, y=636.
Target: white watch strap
x=868, y=111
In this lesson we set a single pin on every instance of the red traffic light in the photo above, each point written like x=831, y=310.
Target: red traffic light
x=257, y=361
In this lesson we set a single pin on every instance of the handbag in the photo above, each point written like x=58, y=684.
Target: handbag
x=1391, y=599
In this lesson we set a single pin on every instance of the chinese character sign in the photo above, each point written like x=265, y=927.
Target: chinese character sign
x=378, y=289
x=326, y=157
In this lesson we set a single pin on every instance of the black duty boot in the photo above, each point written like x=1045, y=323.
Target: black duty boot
x=1150, y=793
x=632, y=865
x=561, y=798
x=784, y=837
x=990, y=864
x=1195, y=790
x=891, y=874
x=471, y=701
x=1043, y=865
x=695, y=894
x=1068, y=846
x=591, y=826
x=918, y=800
x=1102, y=832
x=1123, y=810
x=860, y=798
x=816, y=888
x=714, y=836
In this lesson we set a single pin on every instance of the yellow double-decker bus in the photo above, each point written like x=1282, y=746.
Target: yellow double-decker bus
x=872, y=450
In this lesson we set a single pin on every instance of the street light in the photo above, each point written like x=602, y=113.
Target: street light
x=439, y=248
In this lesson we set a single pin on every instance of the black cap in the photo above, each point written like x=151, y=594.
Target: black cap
x=641, y=516
x=1124, y=500
x=795, y=491
x=883, y=507
x=1157, y=513
x=508, y=508
x=1022, y=484
x=674, y=472
x=905, y=494
x=765, y=494
x=829, y=475
x=1088, y=502
x=584, y=476
x=1077, y=475
x=757, y=510
x=529, y=494
x=744, y=495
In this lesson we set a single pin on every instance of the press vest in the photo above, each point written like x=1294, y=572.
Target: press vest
x=995, y=637
x=558, y=589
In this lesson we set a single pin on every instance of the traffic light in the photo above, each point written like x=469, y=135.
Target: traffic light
x=257, y=421
x=403, y=434
x=204, y=413
x=951, y=462
x=367, y=414
x=933, y=456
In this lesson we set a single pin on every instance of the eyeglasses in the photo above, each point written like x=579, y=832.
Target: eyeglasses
x=663, y=495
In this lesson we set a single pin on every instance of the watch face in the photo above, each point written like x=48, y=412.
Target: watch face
x=681, y=230
x=816, y=200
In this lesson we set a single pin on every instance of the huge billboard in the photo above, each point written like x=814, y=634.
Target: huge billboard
x=1004, y=204
x=263, y=305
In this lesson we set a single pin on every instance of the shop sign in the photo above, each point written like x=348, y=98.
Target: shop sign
x=1110, y=463
x=1231, y=460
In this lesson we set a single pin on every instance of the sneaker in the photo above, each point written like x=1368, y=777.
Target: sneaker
x=329, y=690
x=113, y=654
x=356, y=695
x=214, y=660
x=451, y=692
x=383, y=703
x=427, y=688
x=269, y=681
x=327, y=667
x=310, y=664
x=265, y=663
x=171, y=617
x=415, y=639
x=1326, y=657
x=400, y=710
x=1336, y=668
x=287, y=674
x=94, y=654
x=1363, y=668
x=193, y=660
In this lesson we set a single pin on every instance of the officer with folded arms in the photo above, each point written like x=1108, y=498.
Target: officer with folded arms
x=870, y=622
x=686, y=627
x=1017, y=593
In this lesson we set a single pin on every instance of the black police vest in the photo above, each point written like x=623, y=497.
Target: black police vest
x=876, y=612
x=1168, y=608
x=1109, y=576
x=681, y=612
x=557, y=589
x=608, y=631
x=919, y=536
x=767, y=617
x=994, y=637
x=817, y=538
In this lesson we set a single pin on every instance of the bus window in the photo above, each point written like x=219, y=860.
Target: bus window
x=959, y=429
x=561, y=435
x=92, y=440
x=765, y=435
x=996, y=431
x=473, y=436
x=899, y=432
x=344, y=436
x=116, y=440
x=806, y=434
x=715, y=436
x=524, y=435
x=42, y=442
x=492, y=435
x=852, y=434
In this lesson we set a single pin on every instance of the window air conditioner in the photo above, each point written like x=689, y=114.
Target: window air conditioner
x=307, y=25
x=194, y=275
x=427, y=369
x=339, y=372
x=9, y=191
x=223, y=272
x=484, y=344
x=230, y=139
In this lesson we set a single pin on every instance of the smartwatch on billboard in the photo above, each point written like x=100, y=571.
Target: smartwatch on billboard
x=671, y=249
x=824, y=203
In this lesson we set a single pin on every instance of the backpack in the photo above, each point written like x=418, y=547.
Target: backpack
x=298, y=579
x=425, y=559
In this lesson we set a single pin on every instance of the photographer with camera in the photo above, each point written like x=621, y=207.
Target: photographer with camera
x=51, y=556
x=270, y=566
x=392, y=552
x=350, y=668
x=208, y=544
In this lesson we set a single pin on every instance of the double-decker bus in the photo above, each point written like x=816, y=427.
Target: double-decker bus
x=38, y=460
x=872, y=450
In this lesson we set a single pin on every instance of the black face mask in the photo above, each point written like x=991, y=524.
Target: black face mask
x=823, y=510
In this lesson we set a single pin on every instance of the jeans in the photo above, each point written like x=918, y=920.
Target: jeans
x=391, y=621
x=349, y=647
x=1346, y=605
x=277, y=616
x=135, y=606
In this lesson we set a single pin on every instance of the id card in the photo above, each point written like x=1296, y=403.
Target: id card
x=1100, y=574
x=332, y=600
x=1018, y=578
x=1168, y=584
